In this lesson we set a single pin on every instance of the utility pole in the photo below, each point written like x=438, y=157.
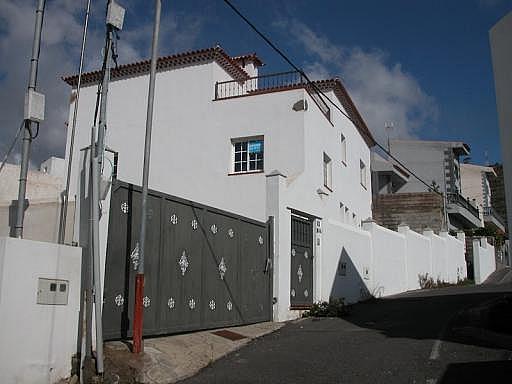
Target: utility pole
x=114, y=21
x=34, y=112
x=389, y=127
x=138, y=345
x=64, y=213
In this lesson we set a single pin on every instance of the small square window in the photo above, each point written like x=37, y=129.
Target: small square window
x=362, y=173
x=327, y=168
x=53, y=287
x=62, y=287
x=247, y=155
x=343, y=149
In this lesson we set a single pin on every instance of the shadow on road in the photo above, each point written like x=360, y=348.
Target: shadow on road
x=478, y=372
x=438, y=314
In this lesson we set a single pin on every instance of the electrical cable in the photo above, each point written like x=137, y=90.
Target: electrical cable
x=12, y=145
x=320, y=92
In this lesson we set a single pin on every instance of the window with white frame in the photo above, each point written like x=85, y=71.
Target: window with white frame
x=247, y=155
x=343, y=149
x=327, y=171
x=362, y=173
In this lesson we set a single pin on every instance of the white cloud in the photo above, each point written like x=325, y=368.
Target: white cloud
x=60, y=52
x=383, y=92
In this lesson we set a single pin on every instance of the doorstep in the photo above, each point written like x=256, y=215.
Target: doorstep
x=169, y=359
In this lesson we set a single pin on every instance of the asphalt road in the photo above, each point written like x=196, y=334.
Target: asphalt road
x=422, y=337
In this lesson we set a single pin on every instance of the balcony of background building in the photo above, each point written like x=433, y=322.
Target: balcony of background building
x=462, y=211
x=493, y=219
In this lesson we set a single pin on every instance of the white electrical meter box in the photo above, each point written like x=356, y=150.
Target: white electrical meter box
x=34, y=106
x=115, y=15
x=52, y=291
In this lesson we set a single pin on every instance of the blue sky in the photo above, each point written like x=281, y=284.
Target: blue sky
x=425, y=65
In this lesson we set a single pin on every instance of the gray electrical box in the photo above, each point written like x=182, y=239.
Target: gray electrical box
x=52, y=291
x=115, y=15
x=34, y=106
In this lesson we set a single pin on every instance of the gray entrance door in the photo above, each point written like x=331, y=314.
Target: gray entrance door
x=204, y=268
x=301, y=282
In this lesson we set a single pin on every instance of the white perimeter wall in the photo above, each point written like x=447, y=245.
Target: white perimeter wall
x=484, y=261
x=380, y=262
x=37, y=341
x=418, y=256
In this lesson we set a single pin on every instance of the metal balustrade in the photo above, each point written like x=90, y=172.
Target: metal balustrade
x=490, y=211
x=269, y=83
x=456, y=198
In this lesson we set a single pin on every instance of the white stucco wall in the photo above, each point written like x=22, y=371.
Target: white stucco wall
x=38, y=341
x=389, y=267
x=484, y=261
x=456, y=267
x=418, y=256
x=501, y=40
x=345, y=244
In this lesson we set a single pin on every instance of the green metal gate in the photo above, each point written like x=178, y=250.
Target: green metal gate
x=301, y=279
x=204, y=268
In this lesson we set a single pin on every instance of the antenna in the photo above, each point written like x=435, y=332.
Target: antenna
x=389, y=127
x=486, y=156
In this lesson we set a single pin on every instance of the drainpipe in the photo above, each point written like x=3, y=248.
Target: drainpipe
x=138, y=345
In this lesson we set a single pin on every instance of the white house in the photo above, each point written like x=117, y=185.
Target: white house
x=258, y=146
x=223, y=137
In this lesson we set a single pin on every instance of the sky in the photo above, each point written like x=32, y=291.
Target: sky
x=423, y=65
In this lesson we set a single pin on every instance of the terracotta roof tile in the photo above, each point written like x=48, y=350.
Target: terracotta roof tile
x=251, y=56
x=187, y=58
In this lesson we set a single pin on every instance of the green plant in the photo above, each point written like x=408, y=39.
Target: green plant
x=427, y=282
x=333, y=308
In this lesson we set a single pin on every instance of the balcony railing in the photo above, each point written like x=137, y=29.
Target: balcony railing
x=460, y=200
x=269, y=83
x=490, y=211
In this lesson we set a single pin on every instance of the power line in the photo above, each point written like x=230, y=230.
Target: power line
x=12, y=146
x=319, y=91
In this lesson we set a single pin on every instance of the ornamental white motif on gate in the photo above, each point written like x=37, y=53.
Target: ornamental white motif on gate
x=212, y=305
x=171, y=303
x=146, y=301
x=299, y=273
x=229, y=305
x=213, y=228
x=293, y=252
x=194, y=224
x=191, y=303
x=293, y=292
x=260, y=240
x=183, y=263
x=125, y=208
x=119, y=300
x=222, y=268
x=306, y=293
x=174, y=219
x=231, y=233
x=134, y=256
x=306, y=254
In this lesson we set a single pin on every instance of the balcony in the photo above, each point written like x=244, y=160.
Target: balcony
x=462, y=212
x=276, y=82
x=493, y=218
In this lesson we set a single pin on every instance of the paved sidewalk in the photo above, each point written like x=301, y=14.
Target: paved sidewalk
x=173, y=358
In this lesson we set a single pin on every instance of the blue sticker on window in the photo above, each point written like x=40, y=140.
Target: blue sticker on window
x=256, y=146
